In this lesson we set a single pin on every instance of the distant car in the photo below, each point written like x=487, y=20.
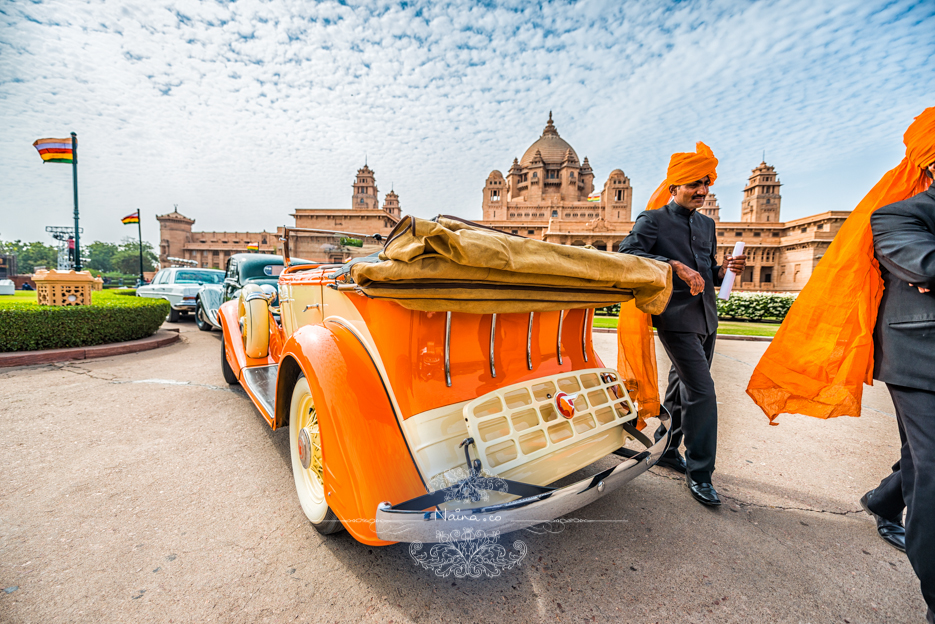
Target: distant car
x=242, y=269
x=179, y=286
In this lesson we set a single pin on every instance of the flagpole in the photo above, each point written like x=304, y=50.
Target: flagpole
x=139, y=229
x=74, y=178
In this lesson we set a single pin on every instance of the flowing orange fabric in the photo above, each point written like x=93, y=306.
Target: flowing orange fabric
x=636, y=349
x=823, y=353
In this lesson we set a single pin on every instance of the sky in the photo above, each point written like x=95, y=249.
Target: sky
x=240, y=112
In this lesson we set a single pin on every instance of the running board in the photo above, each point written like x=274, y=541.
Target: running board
x=260, y=384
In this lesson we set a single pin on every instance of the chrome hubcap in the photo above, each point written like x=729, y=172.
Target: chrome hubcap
x=305, y=448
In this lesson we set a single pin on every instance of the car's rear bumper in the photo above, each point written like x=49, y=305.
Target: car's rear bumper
x=436, y=526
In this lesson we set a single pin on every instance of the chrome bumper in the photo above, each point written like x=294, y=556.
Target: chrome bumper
x=435, y=526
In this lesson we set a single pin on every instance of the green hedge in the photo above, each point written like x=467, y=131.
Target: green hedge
x=755, y=306
x=740, y=306
x=27, y=326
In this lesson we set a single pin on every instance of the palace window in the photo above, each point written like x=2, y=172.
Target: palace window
x=572, y=175
x=738, y=234
x=618, y=195
x=767, y=200
x=530, y=231
x=720, y=233
x=552, y=175
x=514, y=231
x=820, y=226
x=555, y=214
x=804, y=230
x=495, y=195
x=756, y=233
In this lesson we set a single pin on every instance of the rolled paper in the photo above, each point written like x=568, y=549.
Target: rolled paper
x=728, y=282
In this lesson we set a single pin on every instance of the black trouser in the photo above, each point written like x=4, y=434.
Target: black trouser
x=912, y=483
x=691, y=401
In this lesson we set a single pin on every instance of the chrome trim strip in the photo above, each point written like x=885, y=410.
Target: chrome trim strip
x=529, y=342
x=448, y=349
x=584, y=336
x=493, y=330
x=558, y=340
x=432, y=525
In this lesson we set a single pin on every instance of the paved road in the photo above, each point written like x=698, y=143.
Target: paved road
x=141, y=488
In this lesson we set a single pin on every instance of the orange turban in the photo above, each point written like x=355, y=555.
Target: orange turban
x=636, y=350
x=684, y=168
x=823, y=353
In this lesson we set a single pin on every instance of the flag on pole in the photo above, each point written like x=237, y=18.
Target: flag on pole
x=253, y=246
x=55, y=150
x=594, y=197
x=131, y=218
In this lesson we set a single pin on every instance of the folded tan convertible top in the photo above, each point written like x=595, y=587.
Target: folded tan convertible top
x=453, y=265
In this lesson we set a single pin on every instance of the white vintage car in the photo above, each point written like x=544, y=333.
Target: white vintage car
x=179, y=286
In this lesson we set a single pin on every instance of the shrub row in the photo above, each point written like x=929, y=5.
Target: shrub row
x=740, y=306
x=27, y=326
x=755, y=306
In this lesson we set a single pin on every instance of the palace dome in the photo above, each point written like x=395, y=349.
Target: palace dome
x=550, y=145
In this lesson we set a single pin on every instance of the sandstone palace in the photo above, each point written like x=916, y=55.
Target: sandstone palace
x=548, y=194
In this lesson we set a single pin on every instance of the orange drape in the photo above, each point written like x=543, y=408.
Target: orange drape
x=636, y=349
x=823, y=353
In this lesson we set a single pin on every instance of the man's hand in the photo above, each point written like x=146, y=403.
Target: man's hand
x=735, y=263
x=689, y=276
x=922, y=289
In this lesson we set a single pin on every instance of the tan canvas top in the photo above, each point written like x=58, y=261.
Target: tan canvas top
x=459, y=266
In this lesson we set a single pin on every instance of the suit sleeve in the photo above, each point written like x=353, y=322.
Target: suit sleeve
x=905, y=245
x=642, y=238
x=715, y=267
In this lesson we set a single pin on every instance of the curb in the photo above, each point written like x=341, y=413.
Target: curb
x=161, y=338
x=608, y=330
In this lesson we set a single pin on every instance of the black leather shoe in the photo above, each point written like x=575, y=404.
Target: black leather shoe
x=704, y=493
x=674, y=461
x=892, y=531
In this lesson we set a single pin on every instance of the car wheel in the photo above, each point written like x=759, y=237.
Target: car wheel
x=308, y=465
x=226, y=369
x=202, y=324
x=174, y=315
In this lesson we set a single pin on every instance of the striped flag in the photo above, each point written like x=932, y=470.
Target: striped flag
x=131, y=218
x=594, y=197
x=55, y=150
x=253, y=246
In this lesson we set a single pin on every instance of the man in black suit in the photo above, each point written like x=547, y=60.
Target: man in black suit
x=904, y=358
x=687, y=240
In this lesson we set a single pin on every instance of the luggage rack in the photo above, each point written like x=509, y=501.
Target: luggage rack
x=519, y=423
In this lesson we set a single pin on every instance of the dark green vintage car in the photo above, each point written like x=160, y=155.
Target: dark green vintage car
x=242, y=269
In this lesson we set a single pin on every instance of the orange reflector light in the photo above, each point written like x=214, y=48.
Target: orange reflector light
x=565, y=403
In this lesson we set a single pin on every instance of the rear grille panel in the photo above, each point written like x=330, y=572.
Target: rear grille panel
x=519, y=423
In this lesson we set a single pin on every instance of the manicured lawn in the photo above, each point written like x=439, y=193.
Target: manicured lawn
x=724, y=327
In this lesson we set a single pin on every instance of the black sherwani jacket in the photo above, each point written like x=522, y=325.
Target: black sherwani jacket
x=676, y=233
x=904, y=336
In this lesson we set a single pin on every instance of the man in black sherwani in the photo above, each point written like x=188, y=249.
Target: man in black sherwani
x=904, y=358
x=675, y=233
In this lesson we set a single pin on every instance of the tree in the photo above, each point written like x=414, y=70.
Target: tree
x=30, y=255
x=127, y=258
x=102, y=256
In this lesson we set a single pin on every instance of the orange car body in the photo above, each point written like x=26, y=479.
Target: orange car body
x=374, y=366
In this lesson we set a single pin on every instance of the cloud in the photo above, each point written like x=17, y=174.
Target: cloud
x=241, y=112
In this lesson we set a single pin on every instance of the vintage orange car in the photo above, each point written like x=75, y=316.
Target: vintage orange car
x=454, y=371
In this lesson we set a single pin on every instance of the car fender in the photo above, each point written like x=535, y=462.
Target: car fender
x=367, y=460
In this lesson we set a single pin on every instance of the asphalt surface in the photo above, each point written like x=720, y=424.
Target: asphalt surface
x=141, y=488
